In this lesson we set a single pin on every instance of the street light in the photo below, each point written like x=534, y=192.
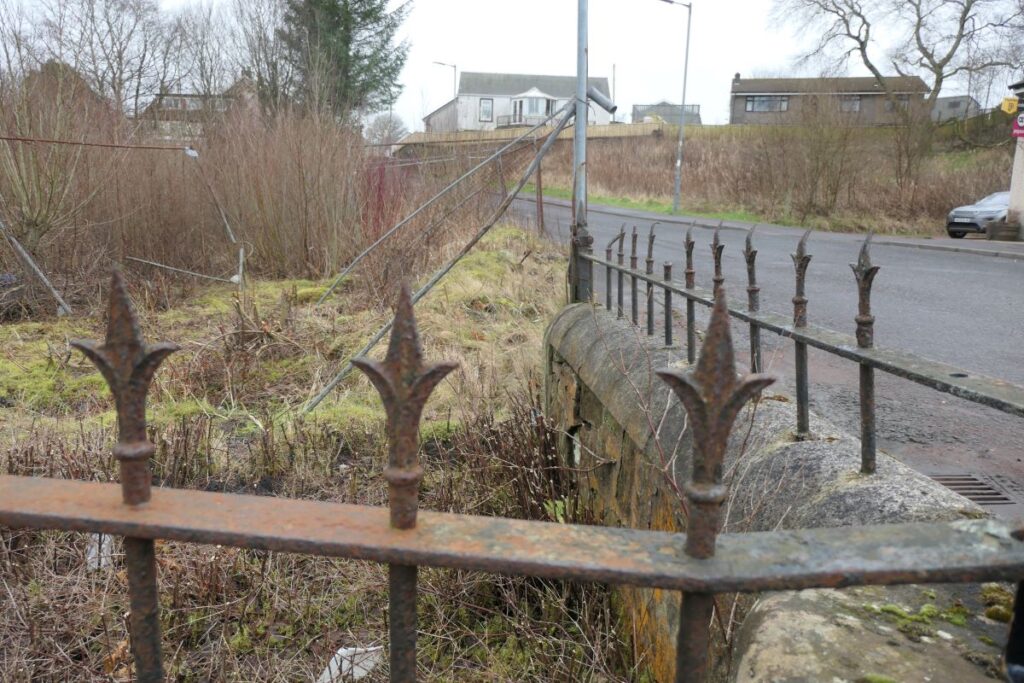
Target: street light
x=455, y=87
x=682, y=112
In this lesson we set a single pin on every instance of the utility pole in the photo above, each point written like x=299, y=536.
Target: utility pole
x=682, y=108
x=580, y=269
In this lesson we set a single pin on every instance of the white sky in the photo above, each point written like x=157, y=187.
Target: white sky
x=644, y=39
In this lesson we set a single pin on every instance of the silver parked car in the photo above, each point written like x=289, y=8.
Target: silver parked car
x=974, y=217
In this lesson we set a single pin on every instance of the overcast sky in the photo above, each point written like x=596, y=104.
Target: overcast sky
x=643, y=39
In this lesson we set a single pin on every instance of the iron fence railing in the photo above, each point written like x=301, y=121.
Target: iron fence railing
x=859, y=348
x=698, y=564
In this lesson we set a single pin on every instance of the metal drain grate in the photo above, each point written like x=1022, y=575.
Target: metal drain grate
x=981, y=489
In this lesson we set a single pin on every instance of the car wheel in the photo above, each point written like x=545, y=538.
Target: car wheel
x=956, y=234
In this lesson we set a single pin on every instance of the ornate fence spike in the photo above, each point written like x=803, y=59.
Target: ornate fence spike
x=713, y=396
x=753, y=300
x=801, y=259
x=690, y=272
x=650, y=241
x=716, y=251
x=128, y=364
x=865, y=273
x=649, y=270
x=404, y=385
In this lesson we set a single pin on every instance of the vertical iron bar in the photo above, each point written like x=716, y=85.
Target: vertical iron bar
x=668, y=304
x=128, y=364
x=404, y=384
x=753, y=301
x=649, y=270
x=402, y=587
x=864, y=271
x=540, y=202
x=1013, y=657
x=608, y=279
x=633, y=293
x=716, y=251
x=712, y=395
x=622, y=262
x=691, y=312
x=801, y=259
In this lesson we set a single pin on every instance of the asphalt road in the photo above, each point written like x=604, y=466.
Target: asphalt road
x=961, y=308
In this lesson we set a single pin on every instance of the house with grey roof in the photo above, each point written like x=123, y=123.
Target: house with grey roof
x=665, y=112
x=487, y=101
x=858, y=100
x=955, y=107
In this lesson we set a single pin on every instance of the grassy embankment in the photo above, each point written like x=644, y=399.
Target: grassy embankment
x=820, y=176
x=219, y=419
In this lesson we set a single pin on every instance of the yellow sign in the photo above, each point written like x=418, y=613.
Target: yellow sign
x=1010, y=105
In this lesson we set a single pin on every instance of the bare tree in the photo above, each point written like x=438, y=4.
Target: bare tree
x=206, y=48
x=939, y=40
x=261, y=52
x=385, y=129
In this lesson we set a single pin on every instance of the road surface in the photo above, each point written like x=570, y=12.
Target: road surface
x=960, y=308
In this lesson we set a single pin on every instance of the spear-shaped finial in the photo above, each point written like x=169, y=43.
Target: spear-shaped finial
x=713, y=396
x=865, y=273
x=128, y=364
x=801, y=259
x=689, y=244
x=632, y=253
x=404, y=385
x=750, y=255
x=716, y=251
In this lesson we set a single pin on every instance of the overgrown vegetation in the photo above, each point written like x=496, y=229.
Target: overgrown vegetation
x=827, y=176
x=219, y=423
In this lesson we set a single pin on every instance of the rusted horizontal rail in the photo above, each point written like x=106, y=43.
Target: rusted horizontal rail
x=966, y=551
x=994, y=393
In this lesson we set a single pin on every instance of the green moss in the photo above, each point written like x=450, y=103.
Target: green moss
x=439, y=430
x=988, y=640
x=309, y=294
x=36, y=382
x=999, y=613
x=876, y=678
x=169, y=412
x=996, y=594
x=914, y=630
x=956, y=615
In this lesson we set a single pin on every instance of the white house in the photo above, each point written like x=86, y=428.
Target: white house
x=489, y=101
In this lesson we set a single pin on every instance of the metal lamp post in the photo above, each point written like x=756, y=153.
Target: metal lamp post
x=682, y=113
x=455, y=72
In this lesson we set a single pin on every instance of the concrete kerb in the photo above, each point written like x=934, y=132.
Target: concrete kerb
x=1015, y=255
x=774, y=483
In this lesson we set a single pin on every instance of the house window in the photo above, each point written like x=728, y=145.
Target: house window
x=849, y=104
x=535, y=106
x=955, y=104
x=767, y=103
x=486, y=109
x=901, y=102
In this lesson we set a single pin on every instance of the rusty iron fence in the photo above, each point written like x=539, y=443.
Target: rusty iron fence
x=698, y=564
x=859, y=348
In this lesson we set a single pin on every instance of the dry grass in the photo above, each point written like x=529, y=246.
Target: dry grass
x=819, y=176
x=245, y=615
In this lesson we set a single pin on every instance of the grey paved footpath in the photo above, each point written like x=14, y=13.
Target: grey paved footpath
x=962, y=308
